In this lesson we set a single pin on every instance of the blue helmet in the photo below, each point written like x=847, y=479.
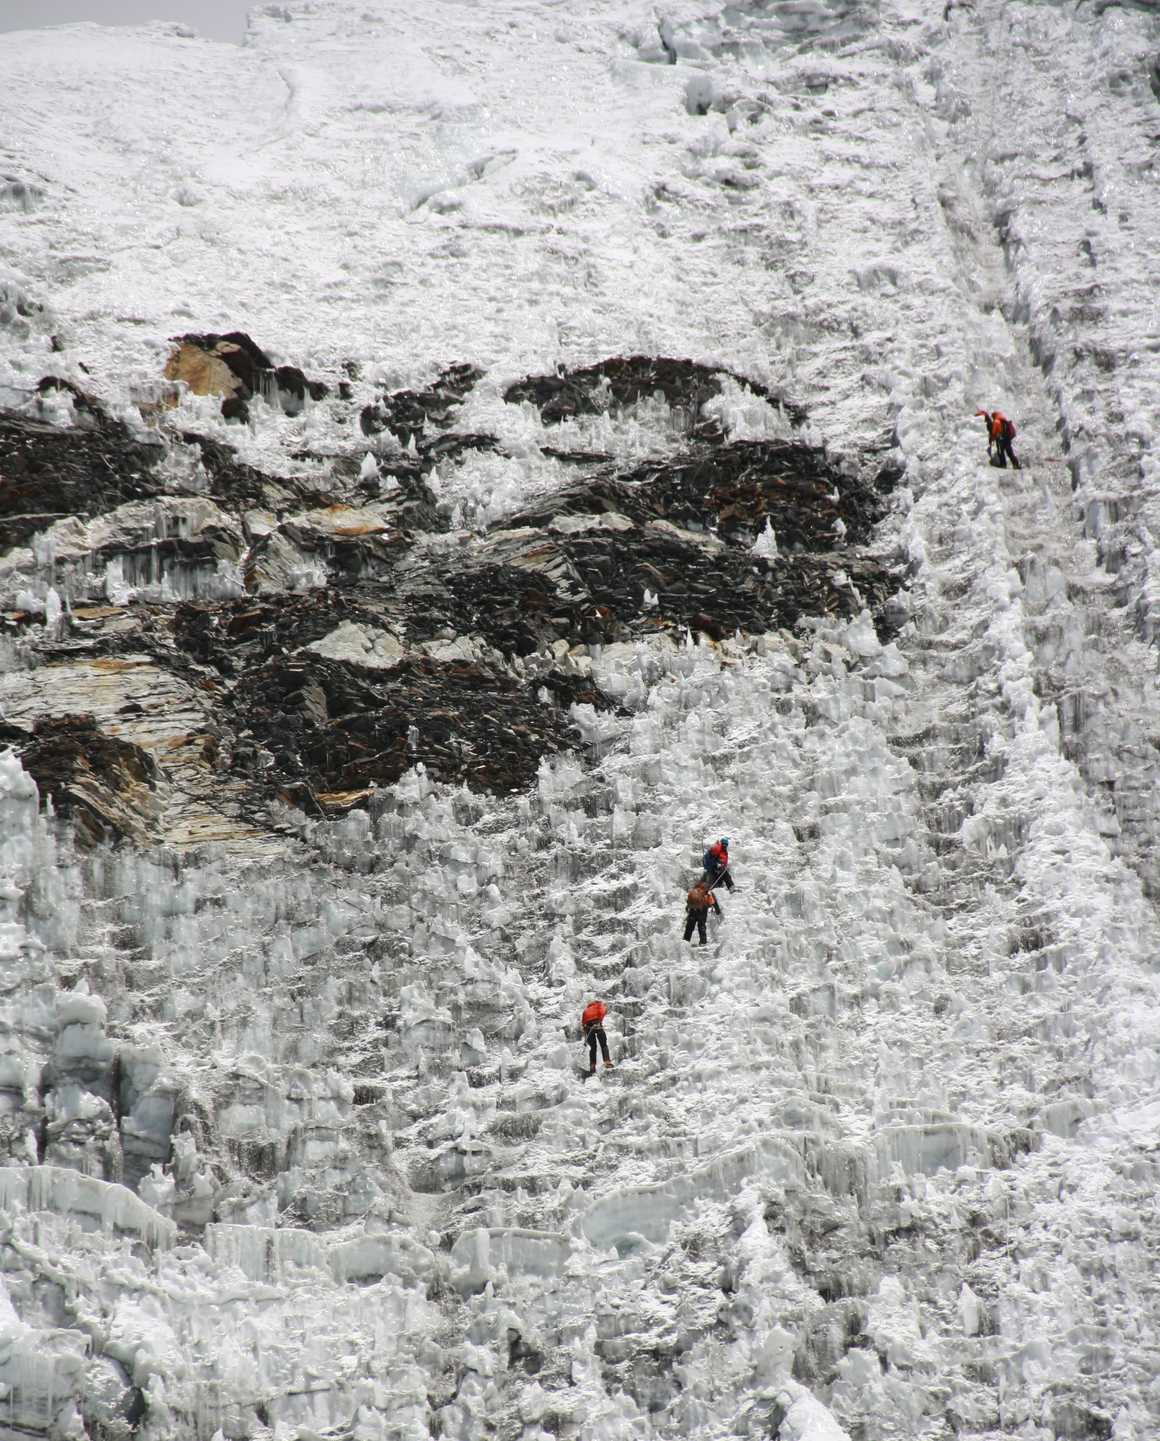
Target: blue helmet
x=724, y=840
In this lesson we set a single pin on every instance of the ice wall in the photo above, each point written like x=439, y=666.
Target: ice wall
x=296, y=1141
x=763, y=1175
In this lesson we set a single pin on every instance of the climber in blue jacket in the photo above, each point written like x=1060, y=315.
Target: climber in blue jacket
x=716, y=864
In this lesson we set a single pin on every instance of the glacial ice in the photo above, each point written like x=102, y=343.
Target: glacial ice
x=881, y=1159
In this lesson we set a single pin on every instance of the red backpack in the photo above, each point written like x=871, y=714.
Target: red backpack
x=594, y=1013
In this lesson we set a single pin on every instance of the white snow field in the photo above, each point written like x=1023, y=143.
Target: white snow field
x=882, y=1160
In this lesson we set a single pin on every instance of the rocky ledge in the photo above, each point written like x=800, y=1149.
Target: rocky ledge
x=195, y=640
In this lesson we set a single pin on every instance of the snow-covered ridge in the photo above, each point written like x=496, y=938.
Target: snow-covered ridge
x=881, y=1160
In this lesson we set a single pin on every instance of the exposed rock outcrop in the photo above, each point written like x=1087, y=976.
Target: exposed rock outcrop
x=320, y=634
x=105, y=785
x=237, y=369
x=408, y=414
x=624, y=380
x=50, y=473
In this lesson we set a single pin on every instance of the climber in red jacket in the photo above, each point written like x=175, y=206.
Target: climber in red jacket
x=592, y=1025
x=1000, y=434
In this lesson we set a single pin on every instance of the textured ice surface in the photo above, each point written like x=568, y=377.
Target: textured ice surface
x=299, y=1146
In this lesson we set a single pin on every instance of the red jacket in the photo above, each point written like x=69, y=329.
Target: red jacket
x=997, y=425
x=594, y=1014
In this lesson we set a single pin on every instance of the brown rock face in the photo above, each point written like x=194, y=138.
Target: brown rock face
x=105, y=785
x=233, y=367
x=309, y=639
x=205, y=372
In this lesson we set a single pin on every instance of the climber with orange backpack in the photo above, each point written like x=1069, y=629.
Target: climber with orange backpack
x=592, y=1029
x=1000, y=434
x=698, y=903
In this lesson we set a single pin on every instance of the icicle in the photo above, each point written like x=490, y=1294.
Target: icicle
x=765, y=546
x=52, y=612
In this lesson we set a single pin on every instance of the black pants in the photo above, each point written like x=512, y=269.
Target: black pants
x=593, y=1034
x=718, y=878
x=1002, y=452
x=696, y=918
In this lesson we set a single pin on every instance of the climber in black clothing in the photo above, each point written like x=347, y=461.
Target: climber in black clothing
x=698, y=903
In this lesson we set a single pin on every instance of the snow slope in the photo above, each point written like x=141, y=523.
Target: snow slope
x=882, y=1161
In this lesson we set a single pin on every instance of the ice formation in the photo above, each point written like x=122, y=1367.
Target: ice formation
x=294, y=1138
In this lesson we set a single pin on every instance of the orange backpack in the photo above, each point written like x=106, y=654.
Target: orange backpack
x=594, y=1013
